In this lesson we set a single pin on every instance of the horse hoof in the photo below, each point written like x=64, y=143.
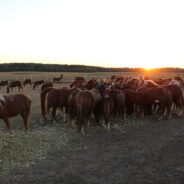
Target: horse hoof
x=11, y=135
x=161, y=118
x=83, y=132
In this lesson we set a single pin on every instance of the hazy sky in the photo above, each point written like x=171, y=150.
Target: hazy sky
x=133, y=33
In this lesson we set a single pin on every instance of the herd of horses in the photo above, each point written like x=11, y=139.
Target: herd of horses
x=103, y=99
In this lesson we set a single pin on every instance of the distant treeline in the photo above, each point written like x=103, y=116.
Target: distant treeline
x=38, y=67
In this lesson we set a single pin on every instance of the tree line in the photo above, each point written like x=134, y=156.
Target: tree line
x=38, y=67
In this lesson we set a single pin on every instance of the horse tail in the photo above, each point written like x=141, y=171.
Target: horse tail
x=182, y=99
x=47, y=106
x=34, y=85
x=28, y=110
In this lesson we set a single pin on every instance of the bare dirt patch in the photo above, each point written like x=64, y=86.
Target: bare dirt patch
x=142, y=151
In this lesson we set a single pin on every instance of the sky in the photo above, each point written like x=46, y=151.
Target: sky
x=108, y=33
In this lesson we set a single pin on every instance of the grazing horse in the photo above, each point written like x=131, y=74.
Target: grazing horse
x=119, y=79
x=90, y=84
x=57, y=98
x=114, y=77
x=118, y=97
x=177, y=96
x=77, y=84
x=37, y=83
x=155, y=95
x=106, y=107
x=3, y=83
x=71, y=114
x=43, y=94
x=46, y=85
x=86, y=102
x=79, y=78
x=13, y=84
x=13, y=105
x=27, y=81
x=56, y=79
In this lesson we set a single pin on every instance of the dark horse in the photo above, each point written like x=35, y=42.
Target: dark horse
x=56, y=79
x=13, y=84
x=46, y=85
x=13, y=105
x=27, y=81
x=37, y=83
x=3, y=84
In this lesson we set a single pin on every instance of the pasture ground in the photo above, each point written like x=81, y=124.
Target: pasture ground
x=140, y=151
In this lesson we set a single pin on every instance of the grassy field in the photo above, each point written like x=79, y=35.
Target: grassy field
x=69, y=76
x=25, y=150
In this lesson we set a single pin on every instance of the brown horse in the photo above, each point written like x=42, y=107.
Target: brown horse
x=77, y=84
x=177, y=96
x=3, y=84
x=13, y=84
x=27, y=81
x=56, y=79
x=13, y=105
x=37, y=83
x=57, y=98
x=106, y=107
x=118, y=98
x=43, y=94
x=90, y=84
x=155, y=95
x=71, y=114
x=46, y=85
x=86, y=102
x=79, y=78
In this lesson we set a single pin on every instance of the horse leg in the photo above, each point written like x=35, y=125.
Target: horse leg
x=79, y=124
x=64, y=115
x=54, y=114
x=169, y=111
x=83, y=127
x=162, y=108
x=7, y=124
x=25, y=116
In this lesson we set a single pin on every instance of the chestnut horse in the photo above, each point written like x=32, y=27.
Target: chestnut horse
x=177, y=96
x=80, y=78
x=118, y=98
x=46, y=85
x=3, y=83
x=57, y=98
x=27, y=81
x=13, y=84
x=37, y=83
x=86, y=102
x=155, y=95
x=13, y=105
x=56, y=79
x=43, y=94
x=77, y=84
x=106, y=107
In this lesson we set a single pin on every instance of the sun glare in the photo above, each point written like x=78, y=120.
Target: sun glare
x=147, y=68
